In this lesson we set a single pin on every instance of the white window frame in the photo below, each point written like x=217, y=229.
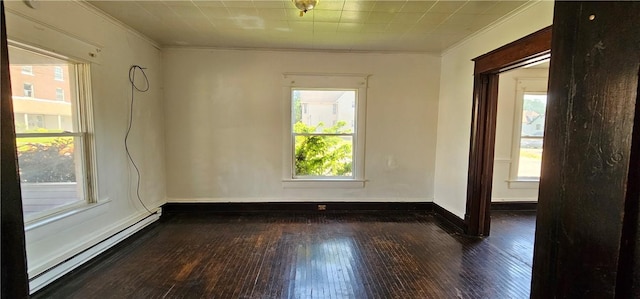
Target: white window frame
x=61, y=98
x=30, y=116
x=31, y=90
x=55, y=73
x=357, y=82
x=27, y=70
x=523, y=86
x=83, y=137
x=353, y=135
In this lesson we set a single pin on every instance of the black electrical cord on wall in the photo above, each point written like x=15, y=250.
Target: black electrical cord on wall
x=132, y=77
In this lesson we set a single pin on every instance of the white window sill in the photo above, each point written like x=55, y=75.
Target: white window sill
x=322, y=183
x=523, y=184
x=72, y=210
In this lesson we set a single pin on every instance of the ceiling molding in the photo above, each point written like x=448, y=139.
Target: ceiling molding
x=493, y=25
x=435, y=54
x=90, y=7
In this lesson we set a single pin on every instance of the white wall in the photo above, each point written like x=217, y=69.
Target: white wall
x=224, y=122
x=504, y=156
x=52, y=243
x=456, y=90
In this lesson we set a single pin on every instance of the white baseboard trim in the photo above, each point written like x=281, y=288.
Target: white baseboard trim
x=38, y=282
x=510, y=199
x=296, y=200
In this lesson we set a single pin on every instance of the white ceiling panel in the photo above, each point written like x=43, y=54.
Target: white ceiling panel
x=344, y=25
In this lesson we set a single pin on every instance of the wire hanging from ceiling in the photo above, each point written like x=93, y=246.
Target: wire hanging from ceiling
x=134, y=88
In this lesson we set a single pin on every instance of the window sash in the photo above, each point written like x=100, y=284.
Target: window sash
x=324, y=134
x=525, y=86
x=320, y=177
x=59, y=94
x=61, y=134
x=58, y=73
x=58, y=195
x=81, y=128
x=28, y=89
x=334, y=108
x=311, y=81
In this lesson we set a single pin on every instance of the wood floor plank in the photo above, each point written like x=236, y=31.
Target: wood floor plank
x=310, y=255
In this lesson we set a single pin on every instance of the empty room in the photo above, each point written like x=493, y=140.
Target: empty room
x=320, y=149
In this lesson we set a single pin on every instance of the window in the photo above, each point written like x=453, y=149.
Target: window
x=28, y=89
x=34, y=121
x=323, y=145
x=59, y=94
x=326, y=128
x=531, y=135
x=52, y=138
x=57, y=73
x=529, y=130
x=27, y=70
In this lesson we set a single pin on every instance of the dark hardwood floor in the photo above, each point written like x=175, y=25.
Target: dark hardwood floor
x=310, y=255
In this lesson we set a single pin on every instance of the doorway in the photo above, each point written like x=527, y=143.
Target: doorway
x=528, y=50
x=520, y=120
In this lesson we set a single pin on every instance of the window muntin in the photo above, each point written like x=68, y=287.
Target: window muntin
x=529, y=146
x=51, y=135
x=323, y=140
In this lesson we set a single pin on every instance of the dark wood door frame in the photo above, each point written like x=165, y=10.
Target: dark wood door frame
x=529, y=49
x=587, y=242
x=15, y=282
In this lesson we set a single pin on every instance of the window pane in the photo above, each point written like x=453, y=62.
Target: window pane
x=533, y=114
x=49, y=172
x=530, y=158
x=321, y=155
x=58, y=73
x=323, y=111
x=27, y=89
x=52, y=168
x=59, y=94
x=39, y=95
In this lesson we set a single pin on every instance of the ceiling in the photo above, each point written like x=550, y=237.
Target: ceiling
x=340, y=25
